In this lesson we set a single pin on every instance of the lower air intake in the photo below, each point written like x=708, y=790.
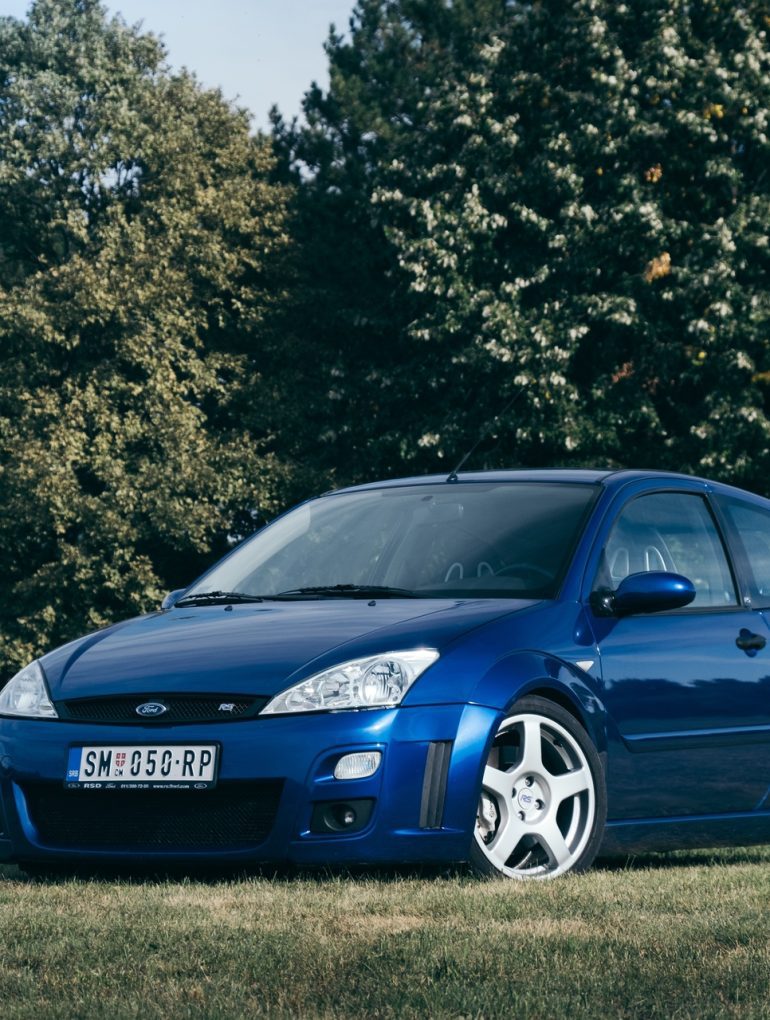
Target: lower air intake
x=232, y=816
x=434, y=784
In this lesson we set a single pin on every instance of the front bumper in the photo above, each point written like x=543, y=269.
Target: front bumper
x=418, y=807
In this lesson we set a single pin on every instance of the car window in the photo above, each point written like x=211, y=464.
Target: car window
x=670, y=531
x=752, y=523
x=459, y=540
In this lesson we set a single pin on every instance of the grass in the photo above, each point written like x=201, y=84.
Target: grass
x=680, y=935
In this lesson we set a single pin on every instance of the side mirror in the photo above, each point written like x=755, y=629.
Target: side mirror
x=171, y=599
x=651, y=591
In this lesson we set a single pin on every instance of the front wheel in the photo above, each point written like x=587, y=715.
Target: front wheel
x=542, y=804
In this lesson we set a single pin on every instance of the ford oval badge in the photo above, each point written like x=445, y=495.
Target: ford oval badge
x=151, y=708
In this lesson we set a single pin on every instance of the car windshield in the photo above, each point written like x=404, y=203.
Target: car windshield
x=501, y=539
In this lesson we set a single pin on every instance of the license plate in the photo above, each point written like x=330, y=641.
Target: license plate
x=142, y=767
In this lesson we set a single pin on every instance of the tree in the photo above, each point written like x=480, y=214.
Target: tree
x=566, y=202
x=371, y=387
x=140, y=260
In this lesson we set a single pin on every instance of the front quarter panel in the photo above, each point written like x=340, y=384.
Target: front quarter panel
x=491, y=668
x=548, y=648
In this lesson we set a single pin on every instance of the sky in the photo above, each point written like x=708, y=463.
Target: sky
x=259, y=52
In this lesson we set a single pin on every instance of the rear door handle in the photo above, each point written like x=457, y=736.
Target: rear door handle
x=750, y=643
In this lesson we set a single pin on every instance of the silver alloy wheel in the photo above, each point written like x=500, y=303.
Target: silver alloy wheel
x=537, y=806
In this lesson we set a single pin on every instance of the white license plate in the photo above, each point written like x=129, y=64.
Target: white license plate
x=140, y=767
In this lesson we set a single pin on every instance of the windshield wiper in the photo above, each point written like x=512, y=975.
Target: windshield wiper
x=210, y=598
x=371, y=591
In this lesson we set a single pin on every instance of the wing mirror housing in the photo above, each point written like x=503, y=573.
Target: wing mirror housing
x=651, y=591
x=172, y=598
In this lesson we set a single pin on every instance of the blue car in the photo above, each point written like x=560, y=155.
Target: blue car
x=517, y=669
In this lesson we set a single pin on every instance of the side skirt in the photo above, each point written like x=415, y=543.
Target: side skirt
x=685, y=832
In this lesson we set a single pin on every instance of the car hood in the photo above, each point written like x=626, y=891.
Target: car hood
x=255, y=648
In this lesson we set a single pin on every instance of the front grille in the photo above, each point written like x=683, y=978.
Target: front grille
x=232, y=816
x=180, y=708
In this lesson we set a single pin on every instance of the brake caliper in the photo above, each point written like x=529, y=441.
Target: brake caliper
x=487, y=817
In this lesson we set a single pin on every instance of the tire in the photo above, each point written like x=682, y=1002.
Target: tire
x=543, y=803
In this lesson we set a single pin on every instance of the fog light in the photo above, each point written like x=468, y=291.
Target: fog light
x=358, y=766
x=341, y=816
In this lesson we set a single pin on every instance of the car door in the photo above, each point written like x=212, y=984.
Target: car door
x=688, y=691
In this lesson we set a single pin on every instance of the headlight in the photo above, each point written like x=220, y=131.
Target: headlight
x=379, y=681
x=26, y=695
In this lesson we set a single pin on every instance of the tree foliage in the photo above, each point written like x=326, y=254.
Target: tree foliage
x=140, y=256
x=570, y=202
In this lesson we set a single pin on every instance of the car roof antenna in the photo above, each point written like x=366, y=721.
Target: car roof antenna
x=452, y=476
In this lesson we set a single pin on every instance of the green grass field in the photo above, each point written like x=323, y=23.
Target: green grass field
x=680, y=935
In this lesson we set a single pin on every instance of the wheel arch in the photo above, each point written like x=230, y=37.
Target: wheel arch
x=556, y=680
x=560, y=698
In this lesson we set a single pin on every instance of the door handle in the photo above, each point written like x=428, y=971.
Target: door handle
x=750, y=643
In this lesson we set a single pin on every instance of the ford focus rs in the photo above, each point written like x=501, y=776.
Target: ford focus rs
x=518, y=670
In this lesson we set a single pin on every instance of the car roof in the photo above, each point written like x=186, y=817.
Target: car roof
x=611, y=478
x=585, y=476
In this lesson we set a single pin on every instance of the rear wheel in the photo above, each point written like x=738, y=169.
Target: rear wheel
x=542, y=804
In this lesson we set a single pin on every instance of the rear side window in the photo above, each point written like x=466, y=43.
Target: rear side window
x=752, y=525
x=672, y=531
